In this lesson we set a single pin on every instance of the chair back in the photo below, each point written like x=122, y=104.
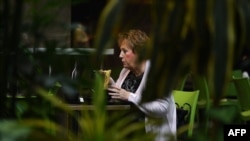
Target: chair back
x=190, y=97
x=243, y=87
x=231, y=91
x=200, y=83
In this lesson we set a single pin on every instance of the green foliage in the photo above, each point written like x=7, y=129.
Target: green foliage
x=200, y=36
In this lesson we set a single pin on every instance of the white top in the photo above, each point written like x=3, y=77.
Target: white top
x=164, y=109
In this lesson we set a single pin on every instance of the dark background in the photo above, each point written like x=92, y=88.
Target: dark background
x=136, y=15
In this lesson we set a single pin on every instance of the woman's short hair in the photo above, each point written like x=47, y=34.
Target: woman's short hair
x=136, y=39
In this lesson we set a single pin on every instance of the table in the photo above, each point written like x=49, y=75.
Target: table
x=71, y=124
x=79, y=107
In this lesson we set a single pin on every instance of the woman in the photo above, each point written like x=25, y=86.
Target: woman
x=132, y=80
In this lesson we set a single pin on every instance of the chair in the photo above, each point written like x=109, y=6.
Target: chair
x=200, y=83
x=231, y=92
x=204, y=100
x=190, y=97
x=230, y=97
x=243, y=87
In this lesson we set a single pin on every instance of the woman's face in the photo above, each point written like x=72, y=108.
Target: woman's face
x=128, y=57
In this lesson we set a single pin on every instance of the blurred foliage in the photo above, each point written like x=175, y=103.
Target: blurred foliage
x=199, y=36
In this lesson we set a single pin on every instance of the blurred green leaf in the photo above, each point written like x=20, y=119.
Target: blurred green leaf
x=12, y=131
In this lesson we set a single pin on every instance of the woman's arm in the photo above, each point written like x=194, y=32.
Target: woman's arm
x=157, y=108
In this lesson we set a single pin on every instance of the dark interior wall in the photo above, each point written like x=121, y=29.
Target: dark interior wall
x=87, y=13
x=135, y=15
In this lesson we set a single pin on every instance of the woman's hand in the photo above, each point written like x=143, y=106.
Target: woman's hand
x=118, y=93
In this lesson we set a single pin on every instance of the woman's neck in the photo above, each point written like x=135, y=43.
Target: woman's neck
x=139, y=70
